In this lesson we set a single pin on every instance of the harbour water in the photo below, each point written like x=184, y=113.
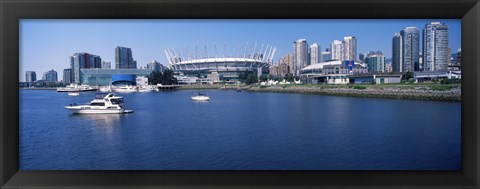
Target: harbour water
x=239, y=131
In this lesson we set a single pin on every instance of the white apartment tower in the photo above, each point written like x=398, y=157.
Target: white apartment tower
x=435, y=47
x=315, y=54
x=349, y=46
x=336, y=50
x=300, y=54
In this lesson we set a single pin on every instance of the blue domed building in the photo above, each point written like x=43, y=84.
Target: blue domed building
x=124, y=79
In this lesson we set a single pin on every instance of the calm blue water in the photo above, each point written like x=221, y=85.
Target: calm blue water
x=239, y=131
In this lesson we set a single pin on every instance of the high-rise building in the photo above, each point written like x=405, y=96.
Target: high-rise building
x=77, y=62
x=397, y=50
x=315, y=54
x=283, y=69
x=97, y=61
x=30, y=76
x=420, y=60
x=67, y=76
x=349, y=48
x=81, y=61
x=450, y=59
x=435, y=46
x=124, y=58
x=375, y=61
x=290, y=59
x=459, y=56
x=410, y=48
x=106, y=65
x=50, y=76
x=301, y=57
x=336, y=49
x=285, y=64
x=362, y=56
x=155, y=66
x=274, y=70
x=326, y=56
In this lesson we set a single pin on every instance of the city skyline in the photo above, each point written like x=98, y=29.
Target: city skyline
x=48, y=44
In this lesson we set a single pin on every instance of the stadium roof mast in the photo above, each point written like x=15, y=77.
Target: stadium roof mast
x=258, y=54
x=263, y=57
x=167, y=57
x=206, y=54
x=224, y=46
x=273, y=55
x=245, y=53
x=171, y=61
x=181, y=56
x=268, y=52
x=236, y=50
x=254, y=49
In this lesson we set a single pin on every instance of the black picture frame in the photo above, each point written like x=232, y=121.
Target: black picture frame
x=13, y=10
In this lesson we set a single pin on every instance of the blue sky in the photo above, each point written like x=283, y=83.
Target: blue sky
x=47, y=44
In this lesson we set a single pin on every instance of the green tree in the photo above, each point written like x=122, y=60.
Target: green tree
x=279, y=78
x=263, y=78
x=408, y=75
x=270, y=77
x=155, y=77
x=50, y=84
x=168, y=78
x=251, y=79
x=289, y=77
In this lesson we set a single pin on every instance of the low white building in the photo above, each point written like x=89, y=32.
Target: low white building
x=332, y=72
x=186, y=80
x=435, y=75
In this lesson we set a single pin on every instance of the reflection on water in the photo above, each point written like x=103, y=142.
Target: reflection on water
x=105, y=120
x=101, y=124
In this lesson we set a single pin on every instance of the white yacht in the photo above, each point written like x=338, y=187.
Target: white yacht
x=201, y=97
x=76, y=88
x=105, y=88
x=104, y=103
x=126, y=89
x=146, y=88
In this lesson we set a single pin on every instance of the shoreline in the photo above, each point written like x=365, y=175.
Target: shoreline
x=426, y=92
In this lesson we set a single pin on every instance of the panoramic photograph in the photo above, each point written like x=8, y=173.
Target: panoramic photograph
x=240, y=94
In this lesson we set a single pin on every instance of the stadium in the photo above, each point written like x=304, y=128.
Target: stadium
x=221, y=64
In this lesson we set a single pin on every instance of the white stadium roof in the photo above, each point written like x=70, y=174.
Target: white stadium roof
x=213, y=60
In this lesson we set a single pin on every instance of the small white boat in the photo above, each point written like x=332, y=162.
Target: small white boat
x=104, y=103
x=201, y=97
x=73, y=93
x=126, y=89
